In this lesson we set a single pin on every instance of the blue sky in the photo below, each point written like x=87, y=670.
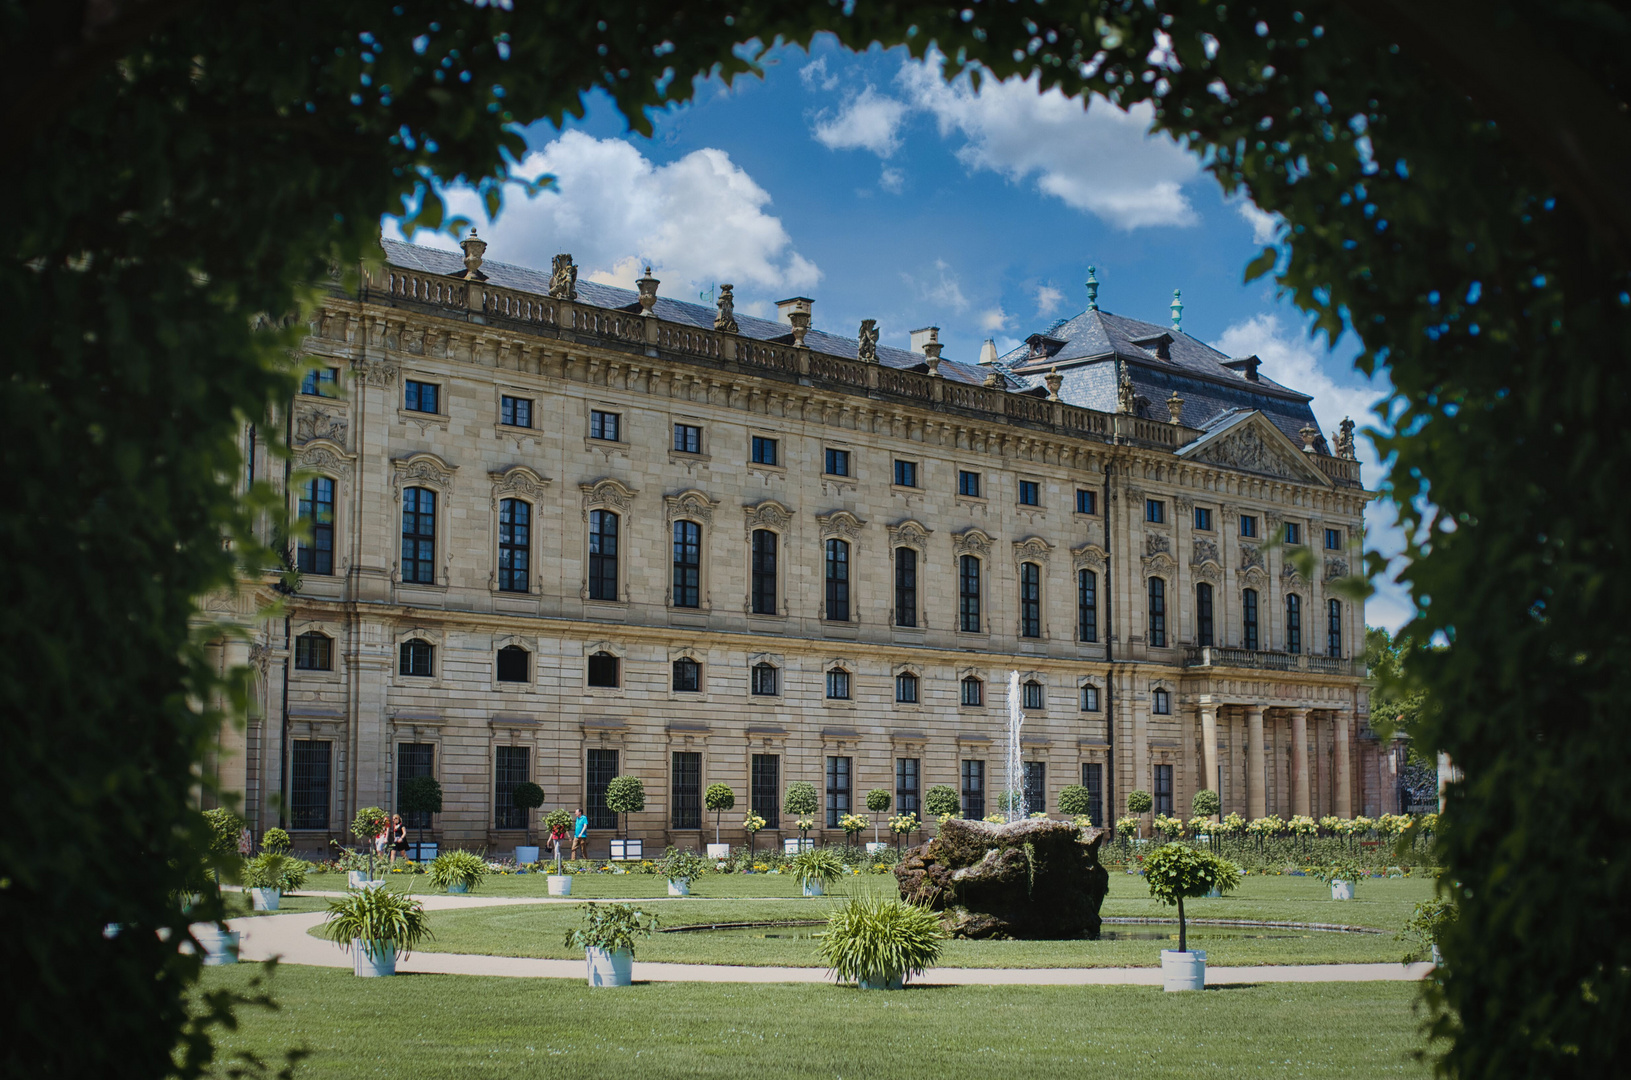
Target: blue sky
x=868, y=184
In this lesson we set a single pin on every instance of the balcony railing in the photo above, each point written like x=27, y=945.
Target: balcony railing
x=1264, y=660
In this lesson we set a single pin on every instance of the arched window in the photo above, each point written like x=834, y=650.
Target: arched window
x=1087, y=605
x=1030, y=600
x=687, y=675
x=968, y=594
x=602, y=555
x=765, y=681
x=314, y=652
x=1333, y=628
x=764, y=572
x=906, y=688
x=513, y=662
x=1158, y=613
x=417, y=656
x=604, y=670
x=838, y=684
x=687, y=564
x=316, y=556
x=973, y=691
x=1162, y=702
x=514, y=544
x=1248, y=614
x=1031, y=694
x=1294, y=623
x=838, y=580
x=419, y=536
x=1203, y=615
x=905, y=586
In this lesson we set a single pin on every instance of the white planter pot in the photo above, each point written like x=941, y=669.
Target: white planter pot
x=356, y=879
x=881, y=982
x=679, y=888
x=381, y=962
x=873, y=848
x=1183, y=970
x=719, y=851
x=608, y=968
x=422, y=852
x=1215, y=894
x=813, y=888
x=526, y=854
x=218, y=946
x=458, y=887
x=265, y=899
x=1438, y=957
x=1342, y=890
x=560, y=884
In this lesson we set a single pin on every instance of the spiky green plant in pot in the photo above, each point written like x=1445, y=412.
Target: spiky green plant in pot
x=879, y=943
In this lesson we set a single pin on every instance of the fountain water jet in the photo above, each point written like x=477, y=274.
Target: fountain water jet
x=1013, y=796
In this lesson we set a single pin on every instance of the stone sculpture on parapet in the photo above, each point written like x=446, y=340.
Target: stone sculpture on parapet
x=563, y=278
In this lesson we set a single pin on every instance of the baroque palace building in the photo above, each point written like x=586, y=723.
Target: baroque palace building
x=559, y=531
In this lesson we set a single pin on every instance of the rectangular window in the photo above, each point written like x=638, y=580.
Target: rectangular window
x=1294, y=623
x=1161, y=702
x=973, y=691
x=764, y=572
x=837, y=581
x=509, y=770
x=321, y=382
x=604, y=425
x=908, y=785
x=419, y=536
x=837, y=462
x=765, y=680
x=1036, y=787
x=687, y=676
x=1294, y=533
x=316, y=555
x=1163, y=789
x=906, y=688
x=1030, y=600
x=766, y=788
x=686, y=798
x=1087, y=606
x=1093, y=781
x=905, y=586
x=309, y=784
x=838, y=684
x=413, y=760
x=838, y=789
x=1090, y=699
x=687, y=564
x=314, y=652
x=1203, y=519
x=1158, y=613
x=1031, y=695
x=1087, y=502
x=514, y=545
x=604, y=670
x=1203, y=614
x=687, y=438
x=416, y=657
x=1333, y=539
x=968, y=483
x=905, y=473
x=602, y=555
x=512, y=664
x=515, y=411
x=601, y=767
x=764, y=453
x=420, y=396
x=973, y=790
x=1333, y=628
x=1248, y=609
x=1248, y=525
x=1030, y=493
x=968, y=594
x=1155, y=511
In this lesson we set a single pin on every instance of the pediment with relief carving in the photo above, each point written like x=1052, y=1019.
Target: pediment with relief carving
x=1255, y=445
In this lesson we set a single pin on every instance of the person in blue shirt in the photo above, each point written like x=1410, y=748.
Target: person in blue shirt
x=580, y=835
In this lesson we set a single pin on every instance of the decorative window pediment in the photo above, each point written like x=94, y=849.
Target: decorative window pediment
x=971, y=542
x=323, y=456
x=422, y=469
x=909, y=533
x=1032, y=549
x=607, y=495
x=1087, y=557
x=840, y=524
x=517, y=482
x=691, y=505
x=768, y=514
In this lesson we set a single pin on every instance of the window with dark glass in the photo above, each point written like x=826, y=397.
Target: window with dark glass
x=973, y=789
x=968, y=594
x=1333, y=628
x=687, y=675
x=603, y=670
x=1294, y=623
x=1036, y=787
x=1163, y=789
x=1294, y=533
x=838, y=580
x=1155, y=511
x=973, y=691
x=1087, y=606
x=1162, y=702
x=1333, y=539
x=314, y=652
x=413, y=760
x=686, y=796
x=1031, y=694
x=514, y=545
x=600, y=769
x=837, y=462
x=687, y=564
x=968, y=483
x=1203, y=615
x=513, y=662
x=905, y=473
x=1248, y=612
x=309, y=783
x=419, y=536
x=1093, y=781
x=514, y=411
x=1158, y=613
x=764, y=453
x=420, y=396
x=1090, y=699
x=765, y=788
x=906, y=688
x=1030, y=493
x=908, y=785
x=838, y=684
x=1203, y=519
x=416, y=657
x=764, y=572
x=1087, y=502
x=688, y=438
x=1248, y=525
x=838, y=789
x=905, y=586
x=604, y=425
x=321, y=382
x=765, y=680
x=602, y=555
x=510, y=770
x=1030, y=600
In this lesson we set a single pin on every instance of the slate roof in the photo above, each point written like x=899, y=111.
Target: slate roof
x=525, y=279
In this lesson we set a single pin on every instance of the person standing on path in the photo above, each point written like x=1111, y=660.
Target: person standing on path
x=580, y=835
x=399, y=838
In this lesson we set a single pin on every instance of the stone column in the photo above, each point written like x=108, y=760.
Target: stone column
x=1209, y=751
x=1256, y=797
x=1344, y=766
x=1301, y=802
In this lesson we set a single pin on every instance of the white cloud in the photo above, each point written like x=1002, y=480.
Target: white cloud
x=892, y=180
x=697, y=220
x=995, y=319
x=867, y=121
x=943, y=289
x=815, y=76
x=1048, y=300
x=1265, y=226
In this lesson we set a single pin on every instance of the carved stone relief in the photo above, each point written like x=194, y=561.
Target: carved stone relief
x=692, y=505
x=1087, y=557
x=312, y=424
x=517, y=481
x=1251, y=555
x=422, y=469
x=1156, y=543
x=1205, y=551
x=769, y=514
x=971, y=542
x=1247, y=448
x=607, y=495
x=324, y=459
x=909, y=533
x=376, y=372
x=1335, y=567
x=840, y=524
x=1032, y=549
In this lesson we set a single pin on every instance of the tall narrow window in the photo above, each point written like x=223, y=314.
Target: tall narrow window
x=906, y=688
x=1031, y=695
x=316, y=556
x=764, y=572
x=1090, y=698
x=1036, y=787
x=968, y=594
x=908, y=785
x=419, y=536
x=1163, y=789
x=973, y=790
x=1030, y=600
x=314, y=652
x=687, y=677
x=973, y=691
x=686, y=797
x=1158, y=613
x=309, y=783
x=1161, y=702
x=514, y=545
x=838, y=789
x=838, y=580
x=687, y=564
x=413, y=760
x=1203, y=519
x=509, y=770
x=602, y=555
x=1093, y=781
x=1333, y=628
x=1203, y=615
x=1248, y=615
x=1294, y=533
x=1248, y=525
x=601, y=767
x=838, y=684
x=1294, y=623
x=765, y=680
x=905, y=586
x=765, y=788
x=513, y=664
x=1087, y=606
x=416, y=657
x=603, y=671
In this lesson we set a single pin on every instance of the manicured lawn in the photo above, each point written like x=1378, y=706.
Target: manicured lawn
x=621, y=886
x=239, y=907
x=434, y=1026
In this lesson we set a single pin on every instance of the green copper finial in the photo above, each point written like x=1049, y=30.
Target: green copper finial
x=1092, y=289
x=1177, y=310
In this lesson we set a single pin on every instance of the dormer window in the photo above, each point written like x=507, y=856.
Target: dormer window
x=1041, y=347
x=1160, y=345
x=1247, y=366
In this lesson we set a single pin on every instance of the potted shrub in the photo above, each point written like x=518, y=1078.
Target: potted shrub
x=1205, y=803
x=1076, y=801
x=625, y=795
x=268, y=876
x=369, y=824
x=607, y=940
x=559, y=824
x=226, y=830
x=752, y=824
x=276, y=841
x=376, y=926
x=681, y=868
x=878, y=801
x=527, y=797
x=1174, y=872
x=942, y=802
x=1139, y=803
x=879, y=943
x=458, y=871
x=817, y=870
x=1425, y=927
x=1341, y=875
x=852, y=824
x=901, y=824
x=800, y=802
x=718, y=798
x=421, y=795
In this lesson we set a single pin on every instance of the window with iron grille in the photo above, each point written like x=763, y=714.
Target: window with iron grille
x=968, y=483
x=414, y=760
x=603, y=671
x=687, y=564
x=837, y=462
x=514, y=545
x=1158, y=613
x=509, y=770
x=905, y=586
x=1087, y=606
x=1030, y=600
x=1163, y=789
x=1090, y=699
x=688, y=438
x=1203, y=615
x=420, y=396
x=316, y=555
x=764, y=453
x=419, y=536
x=602, y=555
x=1030, y=493
x=973, y=691
x=417, y=657
x=1248, y=613
x=1162, y=702
x=765, y=681
x=838, y=789
x=1093, y=781
x=765, y=785
x=321, y=382
x=905, y=474
x=314, y=652
x=1333, y=628
x=513, y=662
x=604, y=425
x=838, y=684
x=764, y=572
x=1031, y=694
x=1294, y=623
x=908, y=785
x=973, y=790
x=1087, y=502
x=599, y=770
x=906, y=688
x=837, y=581
x=968, y=594
x=515, y=411
x=1036, y=787
x=686, y=798
x=309, y=783
x=687, y=675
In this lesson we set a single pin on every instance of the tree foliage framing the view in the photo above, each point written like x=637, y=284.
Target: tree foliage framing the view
x=1451, y=180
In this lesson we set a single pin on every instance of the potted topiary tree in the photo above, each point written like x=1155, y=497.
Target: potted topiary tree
x=751, y=825
x=528, y=797
x=852, y=824
x=941, y=802
x=878, y=801
x=1139, y=803
x=559, y=824
x=422, y=795
x=681, y=868
x=376, y=926
x=275, y=841
x=1205, y=803
x=369, y=824
x=800, y=802
x=1076, y=801
x=879, y=943
x=1174, y=872
x=226, y=829
x=607, y=940
x=718, y=798
x=817, y=870
x=626, y=795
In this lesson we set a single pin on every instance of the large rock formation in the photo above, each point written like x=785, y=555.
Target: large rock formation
x=1026, y=879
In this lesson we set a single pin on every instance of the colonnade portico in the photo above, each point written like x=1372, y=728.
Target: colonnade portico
x=1267, y=759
